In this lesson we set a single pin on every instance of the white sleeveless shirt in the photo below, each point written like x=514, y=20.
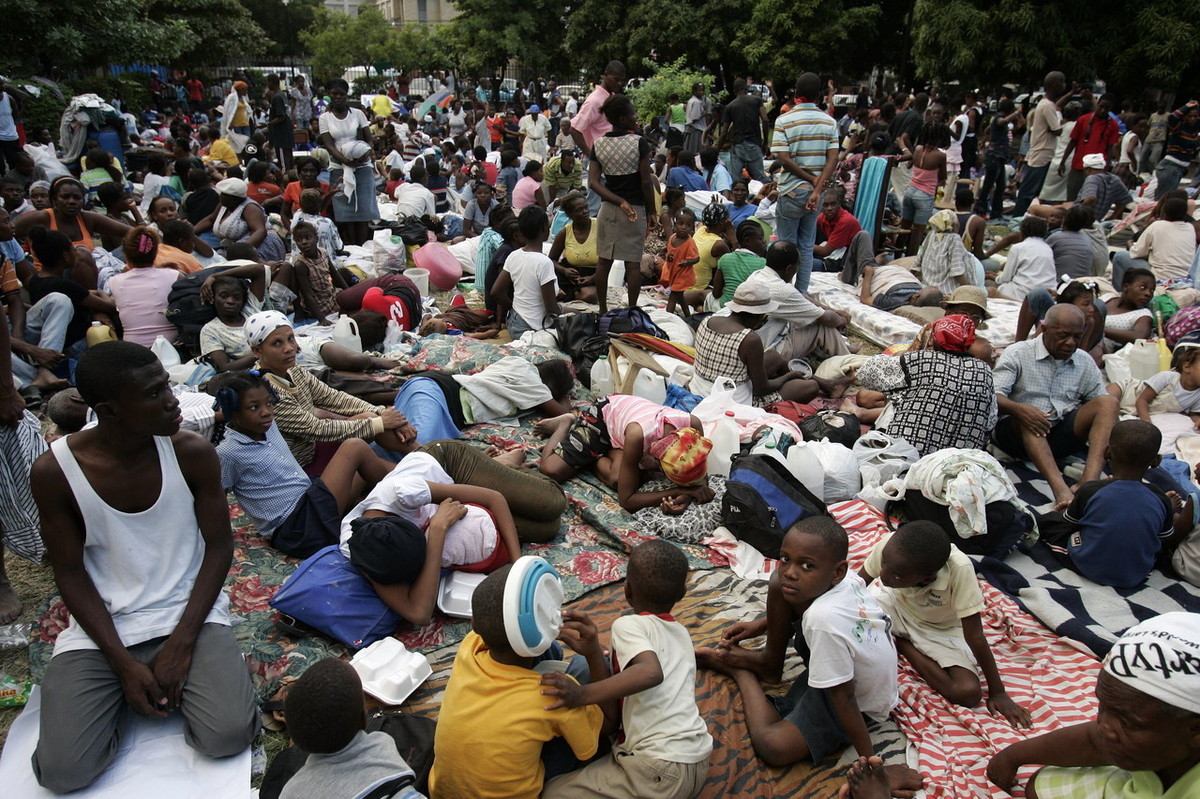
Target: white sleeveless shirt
x=143, y=565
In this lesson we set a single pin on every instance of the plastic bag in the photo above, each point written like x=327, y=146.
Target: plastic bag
x=713, y=407
x=878, y=496
x=842, y=477
x=14, y=636
x=388, y=254
x=51, y=165
x=14, y=693
x=882, y=457
x=841, y=428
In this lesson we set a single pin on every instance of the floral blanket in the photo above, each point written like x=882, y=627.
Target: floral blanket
x=591, y=551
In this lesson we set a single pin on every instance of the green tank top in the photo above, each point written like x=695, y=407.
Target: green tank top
x=735, y=267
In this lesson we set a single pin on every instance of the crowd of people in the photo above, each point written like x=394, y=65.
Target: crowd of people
x=933, y=206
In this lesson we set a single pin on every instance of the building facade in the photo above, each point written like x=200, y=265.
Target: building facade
x=424, y=12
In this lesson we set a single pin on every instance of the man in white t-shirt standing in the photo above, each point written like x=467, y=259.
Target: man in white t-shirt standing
x=149, y=627
x=695, y=119
x=1045, y=126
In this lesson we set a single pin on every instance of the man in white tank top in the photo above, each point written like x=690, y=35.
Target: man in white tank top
x=149, y=625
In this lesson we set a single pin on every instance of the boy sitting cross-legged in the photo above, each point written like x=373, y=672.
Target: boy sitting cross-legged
x=846, y=642
x=928, y=588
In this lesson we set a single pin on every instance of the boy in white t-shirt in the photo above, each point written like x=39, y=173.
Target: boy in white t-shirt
x=529, y=273
x=846, y=642
x=666, y=743
x=928, y=588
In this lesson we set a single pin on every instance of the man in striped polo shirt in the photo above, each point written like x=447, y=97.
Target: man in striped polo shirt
x=805, y=142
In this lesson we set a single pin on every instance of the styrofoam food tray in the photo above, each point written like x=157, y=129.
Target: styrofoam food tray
x=389, y=672
x=455, y=591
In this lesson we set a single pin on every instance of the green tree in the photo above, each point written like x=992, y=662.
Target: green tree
x=216, y=30
x=338, y=41
x=488, y=33
x=784, y=38
x=283, y=24
x=650, y=98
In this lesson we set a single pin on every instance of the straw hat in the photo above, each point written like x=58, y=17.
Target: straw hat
x=969, y=295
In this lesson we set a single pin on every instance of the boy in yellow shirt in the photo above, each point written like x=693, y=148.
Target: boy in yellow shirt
x=493, y=722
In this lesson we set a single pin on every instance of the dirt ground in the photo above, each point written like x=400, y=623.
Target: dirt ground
x=33, y=584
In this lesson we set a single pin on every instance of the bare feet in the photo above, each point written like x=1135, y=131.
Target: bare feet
x=512, y=457
x=548, y=427
x=834, y=389
x=868, y=778
x=709, y=658
x=384, y=363
x=10, y=604
x=48, y=381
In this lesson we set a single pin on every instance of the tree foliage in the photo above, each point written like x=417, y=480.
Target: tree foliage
x=43, y=35
x=986, y=42
x=487, y=33
x=339, y=41
x=283, y=24
x=650, y=98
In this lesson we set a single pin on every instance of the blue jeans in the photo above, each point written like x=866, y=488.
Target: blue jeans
x=1031, y=183
x=1169, y=174
x=46, y=322
x=1122, y=261
x=747, y=155
x=795, y=223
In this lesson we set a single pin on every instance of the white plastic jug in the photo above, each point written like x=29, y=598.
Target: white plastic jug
x=726, y=442
x=1143, y=359
x=166, y=353
x=602, y=377
x=345, y=334
x=806, y=467
x=648, y=385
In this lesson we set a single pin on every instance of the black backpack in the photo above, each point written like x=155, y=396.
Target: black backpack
x=762, y=500
x=184, y=308
x=629, y=320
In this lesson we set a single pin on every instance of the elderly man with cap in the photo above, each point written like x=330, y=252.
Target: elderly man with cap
x=1102, y=191
x=1145, y=740
x=533, y=131
x=1053, y=400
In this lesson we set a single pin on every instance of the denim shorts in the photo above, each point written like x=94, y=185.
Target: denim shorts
x=917, y=206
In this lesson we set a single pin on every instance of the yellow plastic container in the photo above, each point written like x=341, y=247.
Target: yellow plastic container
x=100, y=332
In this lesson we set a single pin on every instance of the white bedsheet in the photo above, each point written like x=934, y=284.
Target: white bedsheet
x=884, y=329
x=163, y=766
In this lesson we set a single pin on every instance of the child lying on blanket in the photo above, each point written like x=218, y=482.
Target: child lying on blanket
x=495, y=736
x=1115, y=531
x=418, y=515
x=928, y=588
x=599, y=436
x=653, y=694
x=1145, y=741
x=843, y=636
x=326, y=719
x=299, y=513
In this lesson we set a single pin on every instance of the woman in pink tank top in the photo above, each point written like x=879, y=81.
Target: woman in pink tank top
x=929, y=172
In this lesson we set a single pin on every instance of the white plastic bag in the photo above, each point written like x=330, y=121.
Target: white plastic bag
x=1116, y=365
x=51, y=165
x=388, y=253
x=878, y=496
x=842, y=478
x=882, y=457
x=721, y=399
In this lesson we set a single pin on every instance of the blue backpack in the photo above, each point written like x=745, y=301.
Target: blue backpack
x=762, y=500
x=327, y=593
x=629, y=320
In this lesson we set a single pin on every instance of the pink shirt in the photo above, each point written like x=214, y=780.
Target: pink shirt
x=524, y=193
x=141, y=298
x=589, y=121
x=623, y=410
